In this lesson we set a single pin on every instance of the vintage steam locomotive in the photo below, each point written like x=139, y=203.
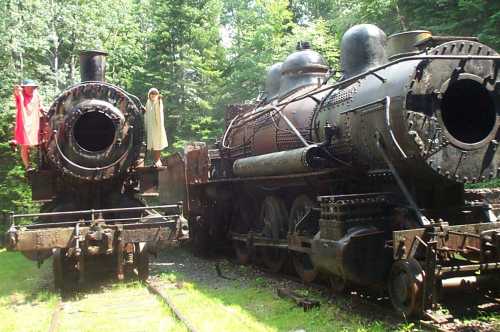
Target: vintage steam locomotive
x=360, y=180
x=90, y=181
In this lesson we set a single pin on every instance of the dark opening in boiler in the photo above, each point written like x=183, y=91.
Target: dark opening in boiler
x=94, y=131
x=468, y=111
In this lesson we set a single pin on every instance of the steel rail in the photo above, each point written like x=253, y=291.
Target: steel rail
x=56, y=317
x=168, y=301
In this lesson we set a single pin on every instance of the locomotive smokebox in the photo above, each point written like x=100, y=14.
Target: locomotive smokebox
x=96, y=127
x=93, y=65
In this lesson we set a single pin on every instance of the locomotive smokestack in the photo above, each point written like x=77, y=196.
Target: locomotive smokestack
x=93, y=65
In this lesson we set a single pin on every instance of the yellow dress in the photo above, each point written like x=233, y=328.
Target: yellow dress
x=156, y=137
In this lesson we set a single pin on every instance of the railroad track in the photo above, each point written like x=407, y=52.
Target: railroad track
x=166, y=299
x=127, y=307
x=145, y=301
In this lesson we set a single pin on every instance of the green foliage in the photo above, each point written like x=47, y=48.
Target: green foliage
x=201, y=54
x=185, y=61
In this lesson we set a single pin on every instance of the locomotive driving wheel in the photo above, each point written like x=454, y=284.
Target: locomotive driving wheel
x=244, y=213
x=405, y=286
x=301, y=208
x=273, y=216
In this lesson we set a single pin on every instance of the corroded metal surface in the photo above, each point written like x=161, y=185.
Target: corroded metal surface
x=172, y=181
x=97, y=132
x=90, y=175
x=464, y=240
x=150, y=226
x=285, y=162
x=398, y=138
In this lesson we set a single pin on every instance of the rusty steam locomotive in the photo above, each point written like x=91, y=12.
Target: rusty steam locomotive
x=360, y=180
x=89, y=180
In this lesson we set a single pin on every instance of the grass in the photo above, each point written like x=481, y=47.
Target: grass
x=25, y=302
x=117, y=308
x=251, y=306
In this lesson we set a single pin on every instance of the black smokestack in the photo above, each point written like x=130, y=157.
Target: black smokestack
x=93, y=66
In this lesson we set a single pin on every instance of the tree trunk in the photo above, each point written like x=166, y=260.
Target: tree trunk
x=55, y=45
x=400, y=17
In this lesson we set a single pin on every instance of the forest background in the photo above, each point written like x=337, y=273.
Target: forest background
x=201, y=54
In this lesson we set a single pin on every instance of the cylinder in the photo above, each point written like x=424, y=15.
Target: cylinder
x=278, y=163
x=93, y=65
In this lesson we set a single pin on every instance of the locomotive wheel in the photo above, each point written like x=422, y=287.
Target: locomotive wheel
x=405, y=286
x=143, y=264
x=274, y=218
x=244, y=214
x=57, y=269
x=302, y=262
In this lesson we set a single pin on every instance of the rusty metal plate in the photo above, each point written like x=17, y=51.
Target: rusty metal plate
x=47, y=239
x=147, y=235
x=404, y=240
x=42, y=185
x=149, y=179
x=172, y=181
x=197, y=163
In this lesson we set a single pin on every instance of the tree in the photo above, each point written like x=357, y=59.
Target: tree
x=185, y=60
x=41, y=40
x=257, y=30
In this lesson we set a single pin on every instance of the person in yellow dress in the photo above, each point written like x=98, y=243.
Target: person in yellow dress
x=156, y=137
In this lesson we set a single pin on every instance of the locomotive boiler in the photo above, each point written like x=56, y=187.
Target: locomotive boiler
x=91, y=182
x=361, y=180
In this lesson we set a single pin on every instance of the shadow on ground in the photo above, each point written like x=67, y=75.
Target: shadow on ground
x=249, y=296
x=249, y=299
